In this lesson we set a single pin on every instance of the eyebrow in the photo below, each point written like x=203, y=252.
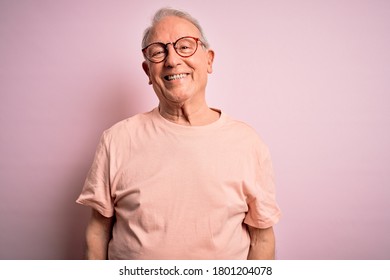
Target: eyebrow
x=197, y=36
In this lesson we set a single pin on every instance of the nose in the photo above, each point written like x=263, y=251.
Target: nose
x=172, y=59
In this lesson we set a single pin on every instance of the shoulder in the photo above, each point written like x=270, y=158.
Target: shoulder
x=125, y=128
x=241, y=128
x=246, y=134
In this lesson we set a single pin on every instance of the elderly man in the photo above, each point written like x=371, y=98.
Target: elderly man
x=183, y=181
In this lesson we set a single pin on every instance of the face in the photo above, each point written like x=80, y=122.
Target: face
x=177, y=80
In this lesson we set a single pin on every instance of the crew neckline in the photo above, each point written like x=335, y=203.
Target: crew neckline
x=188, y=128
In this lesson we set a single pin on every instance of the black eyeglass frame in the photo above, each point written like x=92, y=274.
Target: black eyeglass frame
x=173, y=44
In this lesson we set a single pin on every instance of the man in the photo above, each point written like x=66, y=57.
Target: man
x=183, y=181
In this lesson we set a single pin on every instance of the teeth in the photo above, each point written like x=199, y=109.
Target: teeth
x=176, y=77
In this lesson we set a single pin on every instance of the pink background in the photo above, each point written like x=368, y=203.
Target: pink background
x=312, y=77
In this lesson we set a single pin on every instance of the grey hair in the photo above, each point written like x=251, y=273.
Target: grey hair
x=166, y=12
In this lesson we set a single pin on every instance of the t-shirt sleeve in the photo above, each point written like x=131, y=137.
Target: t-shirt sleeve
x=263, y=211
x=96, y=191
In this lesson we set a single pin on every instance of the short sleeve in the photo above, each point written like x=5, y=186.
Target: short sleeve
x=263, y=211
x=96, y=191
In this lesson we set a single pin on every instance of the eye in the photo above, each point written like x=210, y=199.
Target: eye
x=156, y=50
x=185, y=46
x=157, y=53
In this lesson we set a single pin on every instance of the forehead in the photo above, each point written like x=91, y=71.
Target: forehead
x=171, y=28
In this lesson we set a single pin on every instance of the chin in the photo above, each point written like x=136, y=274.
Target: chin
x=178, y=97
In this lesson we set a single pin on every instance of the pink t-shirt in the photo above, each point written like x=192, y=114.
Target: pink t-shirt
x=181, y=192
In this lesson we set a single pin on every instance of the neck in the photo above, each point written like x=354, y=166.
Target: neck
x=191, y=116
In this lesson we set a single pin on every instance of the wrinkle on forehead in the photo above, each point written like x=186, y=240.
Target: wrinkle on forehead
x=171, y=28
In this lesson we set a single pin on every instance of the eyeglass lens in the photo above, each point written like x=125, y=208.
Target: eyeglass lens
x=184, y=47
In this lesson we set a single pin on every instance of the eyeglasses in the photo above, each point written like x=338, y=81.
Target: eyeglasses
x=158, y=52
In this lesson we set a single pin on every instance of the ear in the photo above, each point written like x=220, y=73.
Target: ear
x=145, y=66
x=210, y=60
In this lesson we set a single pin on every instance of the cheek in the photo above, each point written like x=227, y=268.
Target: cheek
x=154, y=72
x=153, y=75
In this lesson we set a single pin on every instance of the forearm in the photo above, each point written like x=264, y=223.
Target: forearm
x=98, y=236
x=97, y=246
x=262, y=245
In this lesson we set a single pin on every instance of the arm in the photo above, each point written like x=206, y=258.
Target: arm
x=98, y=235
x=262, y=244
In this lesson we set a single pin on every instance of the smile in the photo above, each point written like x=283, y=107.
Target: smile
x=175, y=77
